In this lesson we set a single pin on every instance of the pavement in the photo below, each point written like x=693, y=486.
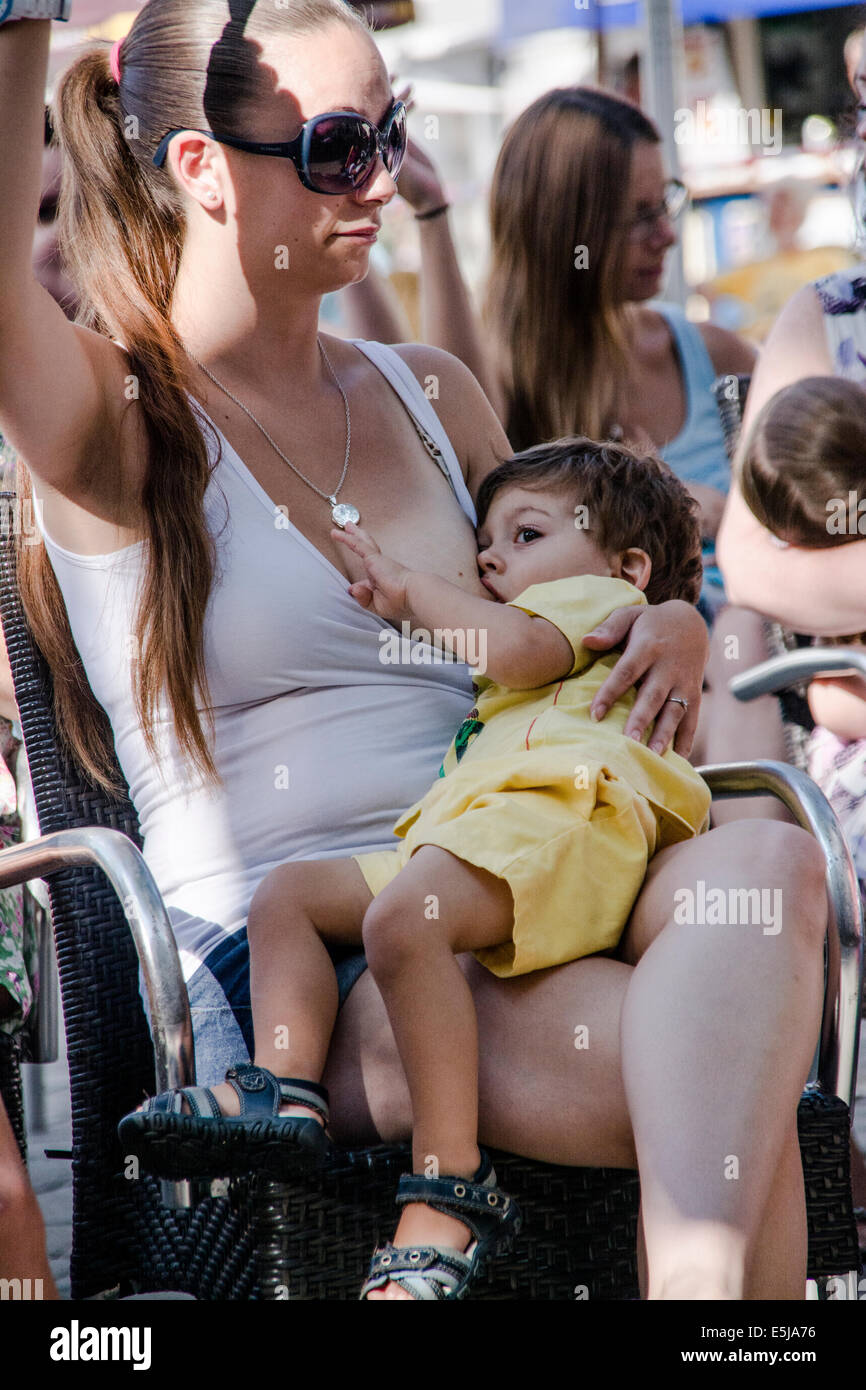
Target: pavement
x=50, y=1127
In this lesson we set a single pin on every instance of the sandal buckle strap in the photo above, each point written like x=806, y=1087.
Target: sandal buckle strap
x=416, y=1259
x=202, y=1102
x=457, y=1194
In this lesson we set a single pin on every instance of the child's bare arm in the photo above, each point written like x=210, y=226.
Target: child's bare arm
x=839, y=704
x=519, y=651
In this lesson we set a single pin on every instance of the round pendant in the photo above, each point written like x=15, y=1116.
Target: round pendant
x=343, y=512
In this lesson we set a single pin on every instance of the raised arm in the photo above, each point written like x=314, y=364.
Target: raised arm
x=52, y=396
x=813, y=591
x=448, y=316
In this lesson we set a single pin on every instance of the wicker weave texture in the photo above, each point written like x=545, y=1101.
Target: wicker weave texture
x=11, y=1090
x=578, y=1240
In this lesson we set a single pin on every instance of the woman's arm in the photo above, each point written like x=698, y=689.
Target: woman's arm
x=666, y=650
x=730, y=354
x=813, y=591
x=448, y=317
x=52, y=392
x=373, y=311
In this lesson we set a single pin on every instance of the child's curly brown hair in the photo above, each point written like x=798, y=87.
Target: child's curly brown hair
x=631, y=499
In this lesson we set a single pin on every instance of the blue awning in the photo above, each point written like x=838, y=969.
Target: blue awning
x=520, y=18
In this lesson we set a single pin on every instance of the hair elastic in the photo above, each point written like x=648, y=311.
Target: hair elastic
x=114, y=61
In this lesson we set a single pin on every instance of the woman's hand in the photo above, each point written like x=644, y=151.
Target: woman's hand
x=420, y=183
x=384, y=589
x=665, y=654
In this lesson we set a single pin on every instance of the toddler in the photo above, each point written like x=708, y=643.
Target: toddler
x=803, y=474
x=529, y=849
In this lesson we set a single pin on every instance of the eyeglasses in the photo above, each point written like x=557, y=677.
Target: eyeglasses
x=334, y=153
x=676, y=196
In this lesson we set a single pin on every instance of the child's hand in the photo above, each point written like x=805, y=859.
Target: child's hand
x=384, y=589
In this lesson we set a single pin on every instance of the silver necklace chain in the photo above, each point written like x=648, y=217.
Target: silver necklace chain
x=340, y=511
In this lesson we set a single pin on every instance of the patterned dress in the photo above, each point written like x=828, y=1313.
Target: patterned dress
x=18, y=976
x=839, y=767
x=18, y=954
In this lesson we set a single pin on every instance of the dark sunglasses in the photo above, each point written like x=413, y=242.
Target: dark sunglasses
x=334, y=153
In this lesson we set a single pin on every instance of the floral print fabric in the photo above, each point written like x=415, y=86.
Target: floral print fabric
x=18, y=957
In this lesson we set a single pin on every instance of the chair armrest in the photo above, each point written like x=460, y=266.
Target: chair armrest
x=124, y=867
x=840, y=1024
x=805, y=664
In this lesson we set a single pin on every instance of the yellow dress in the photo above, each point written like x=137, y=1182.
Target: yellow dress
x=566, y=810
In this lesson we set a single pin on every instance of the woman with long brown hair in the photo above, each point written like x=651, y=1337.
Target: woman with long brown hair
x=192, y=440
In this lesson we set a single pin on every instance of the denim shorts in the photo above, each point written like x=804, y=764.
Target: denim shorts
x=219, y=1000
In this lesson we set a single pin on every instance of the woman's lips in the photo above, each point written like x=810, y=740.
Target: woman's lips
x=363, y=234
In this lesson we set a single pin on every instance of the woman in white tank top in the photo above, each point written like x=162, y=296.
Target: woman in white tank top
x=211, y=613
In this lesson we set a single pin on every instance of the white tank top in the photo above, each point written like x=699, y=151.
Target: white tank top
x=320, y=744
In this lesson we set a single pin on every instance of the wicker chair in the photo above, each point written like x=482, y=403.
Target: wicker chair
x=306, y=1240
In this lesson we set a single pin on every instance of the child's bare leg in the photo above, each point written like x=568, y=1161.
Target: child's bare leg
x=293, y=988
x=435, y=908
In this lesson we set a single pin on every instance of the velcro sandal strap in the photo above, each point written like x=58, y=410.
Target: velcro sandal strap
x=296, y=1091
x=171, y=1102
x=202, y=1102
x=257, y=1089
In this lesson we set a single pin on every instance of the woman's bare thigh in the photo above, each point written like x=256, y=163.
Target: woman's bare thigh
x=550, y=1083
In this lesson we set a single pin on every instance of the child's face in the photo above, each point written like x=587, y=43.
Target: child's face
x=531, y=536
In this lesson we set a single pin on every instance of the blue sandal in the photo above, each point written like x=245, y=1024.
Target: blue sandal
x=431, y=1272
x=207, y=1143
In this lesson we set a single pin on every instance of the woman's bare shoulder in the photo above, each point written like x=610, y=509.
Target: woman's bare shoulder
x=729, y=353
x=469, y=419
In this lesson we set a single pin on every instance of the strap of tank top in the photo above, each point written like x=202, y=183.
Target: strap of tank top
x=697, y=363
x=427, y=424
